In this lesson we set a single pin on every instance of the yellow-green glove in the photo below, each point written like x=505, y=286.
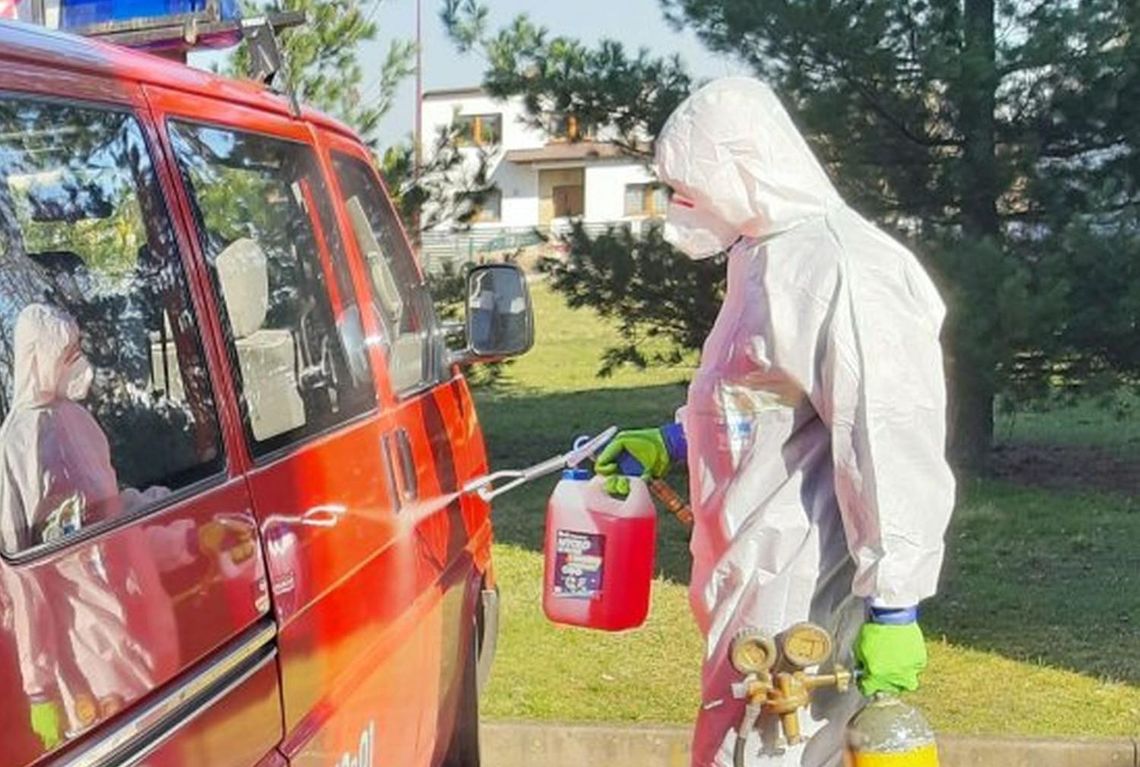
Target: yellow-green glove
x=891, y=657
x=638, y=452
x=47, y=723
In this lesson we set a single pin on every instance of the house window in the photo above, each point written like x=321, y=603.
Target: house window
x=489, y=210
x=646, y=199
x=565, y=127
x=479, y=130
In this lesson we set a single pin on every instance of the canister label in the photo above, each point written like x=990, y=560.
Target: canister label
x=578, y=564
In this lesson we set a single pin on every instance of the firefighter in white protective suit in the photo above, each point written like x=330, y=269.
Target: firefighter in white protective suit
x=815, y=426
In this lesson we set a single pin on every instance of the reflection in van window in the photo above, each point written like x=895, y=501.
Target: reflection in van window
x=279, y=269
x=400, y=298
x=104, y=395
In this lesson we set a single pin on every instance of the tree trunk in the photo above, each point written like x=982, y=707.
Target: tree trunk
x=980, y=189
x=970, y=421
x=971, y=424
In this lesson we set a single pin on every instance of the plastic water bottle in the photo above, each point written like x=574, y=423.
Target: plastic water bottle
x=599, y=554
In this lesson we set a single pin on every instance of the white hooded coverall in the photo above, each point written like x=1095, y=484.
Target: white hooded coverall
x=816, y=421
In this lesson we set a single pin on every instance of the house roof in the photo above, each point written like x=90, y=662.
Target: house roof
x=562, y=151
x=452, y=93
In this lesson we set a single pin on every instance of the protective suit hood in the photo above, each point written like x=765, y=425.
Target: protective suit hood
x=48, y=362
x=734, y=156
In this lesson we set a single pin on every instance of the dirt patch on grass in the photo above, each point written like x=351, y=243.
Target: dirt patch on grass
x=1068, y=467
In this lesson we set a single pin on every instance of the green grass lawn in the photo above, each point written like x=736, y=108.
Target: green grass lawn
x=1114, y=424
x=1036, y=629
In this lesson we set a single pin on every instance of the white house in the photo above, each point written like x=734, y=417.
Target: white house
x=542, y=179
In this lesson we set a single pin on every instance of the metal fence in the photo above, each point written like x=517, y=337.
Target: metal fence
x=459, y=248
x=438, y=248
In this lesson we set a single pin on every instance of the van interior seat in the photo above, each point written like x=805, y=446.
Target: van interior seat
x=266, y=356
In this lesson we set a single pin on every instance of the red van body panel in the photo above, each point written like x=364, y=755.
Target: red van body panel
x=145, y=588
x=372, y=599
x=238, y=730
x=452, y=531
x=142, y=589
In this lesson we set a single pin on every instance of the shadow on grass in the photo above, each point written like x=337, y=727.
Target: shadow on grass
x=1033, y=575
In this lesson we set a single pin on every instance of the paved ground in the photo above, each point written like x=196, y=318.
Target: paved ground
x=547, y=744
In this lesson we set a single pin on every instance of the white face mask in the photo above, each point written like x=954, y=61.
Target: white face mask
x=696, y=234
x=77, y=379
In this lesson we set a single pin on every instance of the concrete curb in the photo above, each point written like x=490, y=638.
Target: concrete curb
x=550, y=744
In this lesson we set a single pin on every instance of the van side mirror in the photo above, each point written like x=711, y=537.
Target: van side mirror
x=500, y=318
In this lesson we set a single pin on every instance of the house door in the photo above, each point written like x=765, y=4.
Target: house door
x=562, y=194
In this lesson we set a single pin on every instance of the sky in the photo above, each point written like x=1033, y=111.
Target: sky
x=635, y=23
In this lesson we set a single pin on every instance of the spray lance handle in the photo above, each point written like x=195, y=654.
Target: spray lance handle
x=628, y=465
x=661, y=490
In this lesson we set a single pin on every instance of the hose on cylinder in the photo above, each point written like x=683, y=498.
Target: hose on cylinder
x=746, y=728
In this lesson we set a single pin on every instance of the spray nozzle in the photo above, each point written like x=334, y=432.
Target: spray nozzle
x=585, y=446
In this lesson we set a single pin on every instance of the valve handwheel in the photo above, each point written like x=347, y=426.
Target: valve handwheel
x=807, y=645
x=753, y=652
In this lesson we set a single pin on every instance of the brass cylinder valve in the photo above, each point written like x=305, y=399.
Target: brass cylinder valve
x=776, y=678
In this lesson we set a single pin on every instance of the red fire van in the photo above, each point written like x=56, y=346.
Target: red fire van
x=232, y=438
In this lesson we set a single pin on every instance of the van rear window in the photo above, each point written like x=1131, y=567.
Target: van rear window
x=105, y=400
x=279, y=271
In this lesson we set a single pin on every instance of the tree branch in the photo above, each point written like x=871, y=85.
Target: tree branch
x=922, y=140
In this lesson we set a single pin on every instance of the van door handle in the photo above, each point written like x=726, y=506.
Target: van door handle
x=326, y=515
x=410, y=488
x=390, y=472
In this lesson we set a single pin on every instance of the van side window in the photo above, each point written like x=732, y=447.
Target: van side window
x=279, y=270
x=400, y=298
x=105, y=398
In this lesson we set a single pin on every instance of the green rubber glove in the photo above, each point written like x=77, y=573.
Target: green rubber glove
x=891, y=657
x=46, y=723
x=617, y=486
x=646, y=445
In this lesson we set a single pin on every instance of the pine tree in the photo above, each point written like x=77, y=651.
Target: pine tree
x=998, y=137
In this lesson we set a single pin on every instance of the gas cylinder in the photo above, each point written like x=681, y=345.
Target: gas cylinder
x=888, y=732
x=599, y=553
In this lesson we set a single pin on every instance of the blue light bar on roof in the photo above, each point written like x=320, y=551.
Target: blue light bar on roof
x=141, y=23
x=86, y=13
